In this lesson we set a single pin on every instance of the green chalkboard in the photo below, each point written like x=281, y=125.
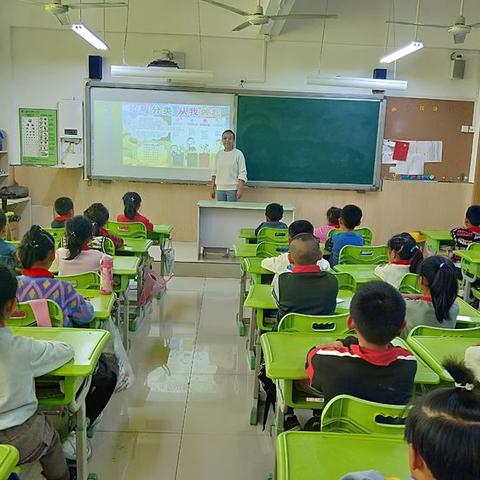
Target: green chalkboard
x=310, y=142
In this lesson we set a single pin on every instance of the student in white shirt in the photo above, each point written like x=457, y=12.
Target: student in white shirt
x=404, y=257
x=281, y=263
x=230, y=173
x=78, y=257
x=22, y=359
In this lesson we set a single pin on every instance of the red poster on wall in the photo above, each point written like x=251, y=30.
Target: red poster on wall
x=400, y=151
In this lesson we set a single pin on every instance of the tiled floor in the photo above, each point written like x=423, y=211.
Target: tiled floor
x=187, y=416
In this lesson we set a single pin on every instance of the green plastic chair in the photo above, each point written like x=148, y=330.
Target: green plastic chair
x=109, y=246
x=345, y=281
x=365, y=232
x=354, y=255
x=88, y=280
x=267, y=249
x=424, y=331
x=330, y=325
x=273, y=235
x=410, y=284
x=127, y=229
x=57, y=234
x=348, y=414
x=24, y=316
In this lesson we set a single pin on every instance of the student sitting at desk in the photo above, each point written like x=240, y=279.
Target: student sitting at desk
x=36, y=254
x=273, y=215
x=78, y=257
x=7, y=250
x=470, y=233
x=367, y=366
x=436, y=307
x=98, y=214
x=442, y=432
x=281, y=263
x=333, y=217
x=64, y=209
x=132, y=202
x=306, y=288
x=350, y=218
x=23, y=359
x=404, y=257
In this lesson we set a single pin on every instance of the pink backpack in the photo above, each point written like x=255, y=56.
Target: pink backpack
x=153, y=284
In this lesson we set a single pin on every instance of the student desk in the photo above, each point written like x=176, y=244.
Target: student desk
x=329, y=456
x=361, y=273
x=434, y=350
x=248, y=234
x=135, y=246
x=160, y=235
x=102, y=304
x=435, y=239
x=285, y=354
x=218, y=222
x=470, y=262
x=74, y=375
x=8, y=460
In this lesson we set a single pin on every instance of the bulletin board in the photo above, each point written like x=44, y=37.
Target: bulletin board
x=424, y=119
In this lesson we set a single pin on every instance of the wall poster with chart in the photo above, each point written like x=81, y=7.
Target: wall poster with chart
x=38, y=136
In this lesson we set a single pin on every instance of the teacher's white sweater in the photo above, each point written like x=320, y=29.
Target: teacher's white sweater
x=229, y=169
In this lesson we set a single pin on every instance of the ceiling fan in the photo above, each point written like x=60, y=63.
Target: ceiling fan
x=60, y=10
x=459, y=29
x=258, y=17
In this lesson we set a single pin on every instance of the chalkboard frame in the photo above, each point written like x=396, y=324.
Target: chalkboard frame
x=380, y=98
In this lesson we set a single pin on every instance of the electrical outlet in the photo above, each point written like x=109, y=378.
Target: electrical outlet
x=471, y=129
x=464, y=129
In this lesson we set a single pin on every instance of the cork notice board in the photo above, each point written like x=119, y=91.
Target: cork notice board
x=421, y=119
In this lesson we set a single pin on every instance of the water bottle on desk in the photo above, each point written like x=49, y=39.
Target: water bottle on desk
x=106, y=275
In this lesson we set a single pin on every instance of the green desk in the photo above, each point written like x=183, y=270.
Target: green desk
x=361, y=273
x=435, y=239
x=135, y=246
x=470, y=263
x=248, y=234
x=329, y=456
x=102, y=304
x=8, y=460
x=434, y=350
x=468, y=316
x=74, y=376
x=244, y=250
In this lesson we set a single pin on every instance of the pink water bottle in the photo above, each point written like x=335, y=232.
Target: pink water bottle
x=106, y=275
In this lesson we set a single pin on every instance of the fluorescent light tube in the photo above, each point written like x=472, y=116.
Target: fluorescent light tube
x=179, y=74
x=358, y=82
x=402, y=52
x=89, y=36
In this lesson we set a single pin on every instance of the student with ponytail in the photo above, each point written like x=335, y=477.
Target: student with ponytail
x=443, y=432
x=436, y=307
x=98, y=214
x=77, y=257
x=132, y=202
x=404, y=257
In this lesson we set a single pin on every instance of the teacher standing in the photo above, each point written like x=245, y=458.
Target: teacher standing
x=230, y=173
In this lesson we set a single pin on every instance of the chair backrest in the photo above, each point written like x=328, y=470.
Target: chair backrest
x=368, y=255
x=424, y=331
x=273, y=235
x=88, y=280
x=127, y=229
x=267, y=249
x=410, y=284
x=327, y=324
x=347, y=414
x=365, y=232
x=474, y=246
x=24, y=315
x=345, y=281
x=109, y=246
x=57, y=234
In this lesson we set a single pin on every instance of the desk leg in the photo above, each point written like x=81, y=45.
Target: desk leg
x=252, y=338
x=124, y=318
x=162, y=256
x=243, y=289
x=82, y=468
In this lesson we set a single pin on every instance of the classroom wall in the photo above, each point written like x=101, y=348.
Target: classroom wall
x=398, y=207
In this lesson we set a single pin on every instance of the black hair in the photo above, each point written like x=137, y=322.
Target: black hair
x=131, y=202
x=35, y=246
x=441, y=278
x=405, y=246
x=63, y=205
x=305, y=249
x=229, y=131
x=444, y=427
x=351, y=216
x=3, y=219
x=473, y=215
x=300, y=226
x=333, y=215
x=8, y=292
x=78, y=231
x=378, y=310
x=98, y=214
x=274, y=212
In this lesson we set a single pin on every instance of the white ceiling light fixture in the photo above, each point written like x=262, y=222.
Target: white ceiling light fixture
x=408, y=49
x=165, y=73
x=358, y=82
x=89, y=36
